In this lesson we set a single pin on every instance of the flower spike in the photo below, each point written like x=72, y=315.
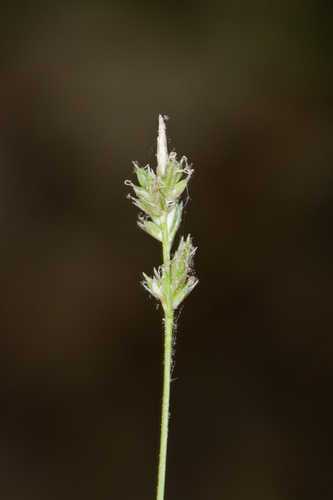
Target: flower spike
x=158, y=197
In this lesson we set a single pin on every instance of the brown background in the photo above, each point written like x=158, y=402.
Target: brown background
x=248, y=88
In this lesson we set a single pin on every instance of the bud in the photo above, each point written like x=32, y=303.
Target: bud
x=162, y=147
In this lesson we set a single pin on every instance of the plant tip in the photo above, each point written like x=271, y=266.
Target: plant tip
x=162, y=147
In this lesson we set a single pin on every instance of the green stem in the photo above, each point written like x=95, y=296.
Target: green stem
x=168, y=331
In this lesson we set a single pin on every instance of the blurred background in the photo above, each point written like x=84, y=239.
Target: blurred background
x=248, y=88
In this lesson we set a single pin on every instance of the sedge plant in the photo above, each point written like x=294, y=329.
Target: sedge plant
x=158, y=197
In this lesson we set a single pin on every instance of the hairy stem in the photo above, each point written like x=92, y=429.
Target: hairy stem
x=168, y=331
x=165, y=407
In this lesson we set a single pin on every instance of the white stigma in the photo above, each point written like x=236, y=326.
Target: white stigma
x=162, y=147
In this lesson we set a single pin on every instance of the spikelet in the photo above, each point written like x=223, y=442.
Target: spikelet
x=158, y=197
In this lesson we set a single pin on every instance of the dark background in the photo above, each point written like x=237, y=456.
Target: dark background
x=248, y=88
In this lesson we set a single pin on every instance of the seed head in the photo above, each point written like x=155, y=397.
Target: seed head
x=158, y=196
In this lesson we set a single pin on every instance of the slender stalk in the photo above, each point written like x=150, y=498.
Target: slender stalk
x=168, y=323
x=168, y=332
